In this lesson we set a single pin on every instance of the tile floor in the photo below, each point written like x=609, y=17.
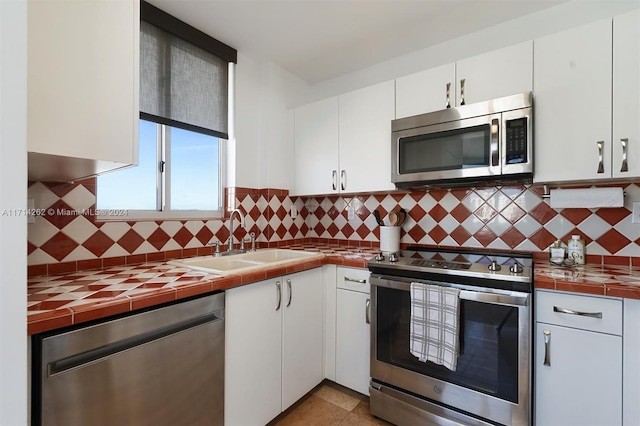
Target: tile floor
x=329, y=404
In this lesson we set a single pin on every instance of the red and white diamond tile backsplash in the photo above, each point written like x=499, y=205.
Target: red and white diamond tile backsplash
x=509, y=217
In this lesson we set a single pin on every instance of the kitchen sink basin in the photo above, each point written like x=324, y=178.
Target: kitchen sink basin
x=244, y=262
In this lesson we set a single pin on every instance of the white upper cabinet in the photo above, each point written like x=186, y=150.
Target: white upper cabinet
x=82, y=87
x=572, y=74
x=626, y=95
x=426, y=91
x=343, y=145
x=316, y=148
x=365, y=138
x=503, y=72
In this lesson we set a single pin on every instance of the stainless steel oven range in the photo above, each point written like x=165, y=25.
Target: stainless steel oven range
x=491, y=381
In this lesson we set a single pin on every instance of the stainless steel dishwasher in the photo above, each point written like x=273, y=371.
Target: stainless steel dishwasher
x=163, y=366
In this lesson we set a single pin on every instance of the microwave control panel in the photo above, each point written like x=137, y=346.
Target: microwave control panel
x=516, y=141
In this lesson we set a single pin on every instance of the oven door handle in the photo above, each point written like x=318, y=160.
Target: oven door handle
x=506, y=298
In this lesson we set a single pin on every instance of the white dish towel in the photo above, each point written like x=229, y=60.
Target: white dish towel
x=435, y=313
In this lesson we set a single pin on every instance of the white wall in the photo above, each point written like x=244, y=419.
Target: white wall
x=13, y=229
x=530, y=27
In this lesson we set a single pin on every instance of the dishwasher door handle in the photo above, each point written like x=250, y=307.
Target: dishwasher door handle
x=93, y=355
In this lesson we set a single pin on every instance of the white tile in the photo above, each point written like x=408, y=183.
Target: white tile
x=449, y=202
x=528, y=200
x=79, y=253
x=41, y=231
x=115, y=251
x=473, y=201
x=472, y=224
x=558, y=226
x=42, y=196
x=80, y=229
x=449, y=223
x=628, y=229
x=193, y=243
x=171, y=227
x=170, y=245
x=115, y=230
x=194, y=226
x=499, y=225
x=145, y=247
x=594, y=226
x=498, y=244
x=79, y=198
x=144, y=229
x=527, y=225
x=527, y=245
x=39, y=257
x=499, y=201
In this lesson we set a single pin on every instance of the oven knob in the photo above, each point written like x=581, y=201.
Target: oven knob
x=516, y=268
x=494, y=266
x=393, y=257
x=379, y=257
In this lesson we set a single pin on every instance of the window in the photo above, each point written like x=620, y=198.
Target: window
x=186, y=80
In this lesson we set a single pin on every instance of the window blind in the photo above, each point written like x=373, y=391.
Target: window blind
x=182, y=84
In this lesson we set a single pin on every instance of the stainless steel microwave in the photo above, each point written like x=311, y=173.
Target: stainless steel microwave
x=485, y=141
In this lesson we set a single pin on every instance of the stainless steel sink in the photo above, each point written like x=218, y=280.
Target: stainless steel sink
x=246, y=261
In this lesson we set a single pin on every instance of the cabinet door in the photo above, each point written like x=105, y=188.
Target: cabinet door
x=503, y=72
x=583, y=383
x=352, y=340
x=626, y=93
x=365, y=138
x=253, y=353
x=83, y=82
x=425, y=91
x=631, y=362
x=316, y=148
x=572, y=75
x=302, y=363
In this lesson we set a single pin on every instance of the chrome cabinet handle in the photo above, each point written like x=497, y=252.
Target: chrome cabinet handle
x=582, y=314
x=343, y=179
x=367, y=311
x=448, y=104
x=279, y=295
x=290, y=293
x=334, y=178
x=600, y=156
x=547, y=344
x=462, y=91
x=624, y=167
x=353, y=280
x=495, y=140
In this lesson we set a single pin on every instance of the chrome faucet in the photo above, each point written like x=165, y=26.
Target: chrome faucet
x=241, y=216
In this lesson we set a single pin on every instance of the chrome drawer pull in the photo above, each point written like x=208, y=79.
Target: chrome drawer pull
x=582, y=314
x=290, y=292
x=462, y=91
x=334, y=177
x=600, y=156
x=353, y=280
x=367, y=312
x=279, y=295
x=448, y=105
x=547, y=344
x=625, y=143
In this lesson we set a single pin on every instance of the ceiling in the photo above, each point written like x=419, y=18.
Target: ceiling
x=321, y=39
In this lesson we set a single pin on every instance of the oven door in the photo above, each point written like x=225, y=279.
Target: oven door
x=492, y=378
x=466, y=148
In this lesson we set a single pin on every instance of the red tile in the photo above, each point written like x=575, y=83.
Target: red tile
x=485, y=236
x=485, y=213
x=614, y=215
x=417, y=233
x=183, y=236
x=512, y=237
x=59, y=246
x=88, y=264
x=154, y=297
x=105, y=294
x=576, y=216
x=437, y=234
x=543, y=213
x=136, y=258
x=98, y=310
x=130, y=241
x=158, y=238
x=46, y=321
x=460, y=235
x=98, y=243
x=613, y=241
x=61, y=268
x=438, y=213
x=512, y=213
x=589, y=288
x=36, y=270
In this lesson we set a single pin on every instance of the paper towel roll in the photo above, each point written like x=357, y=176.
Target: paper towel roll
x=589, y=198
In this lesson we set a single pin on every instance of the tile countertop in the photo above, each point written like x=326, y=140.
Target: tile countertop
x=58, y=301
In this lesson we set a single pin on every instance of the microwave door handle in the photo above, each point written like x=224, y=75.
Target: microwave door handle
x=495, y=141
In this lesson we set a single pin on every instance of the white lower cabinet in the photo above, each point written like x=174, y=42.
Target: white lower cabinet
x=578, y=360
x=352, y=329
x=273, y=346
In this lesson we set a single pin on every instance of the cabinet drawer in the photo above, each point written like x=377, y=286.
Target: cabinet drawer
x=354, y=279
x=585, y=312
